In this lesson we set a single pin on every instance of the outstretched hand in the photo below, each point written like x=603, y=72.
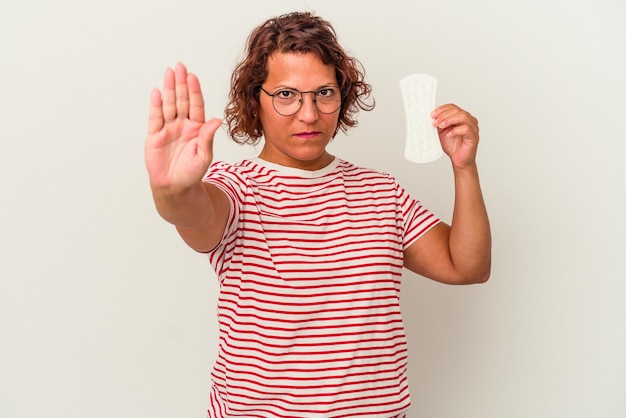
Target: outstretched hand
x=458, y=133
x=179, y=145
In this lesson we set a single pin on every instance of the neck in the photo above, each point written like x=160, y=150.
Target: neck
x=310, y=165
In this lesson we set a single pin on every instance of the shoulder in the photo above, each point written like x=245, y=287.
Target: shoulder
x=232, y=178
x=239, y=172
x=365, y=174
x=226, y=167
x=354, y=169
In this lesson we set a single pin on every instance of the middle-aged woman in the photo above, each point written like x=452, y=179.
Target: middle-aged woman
x=308, y=248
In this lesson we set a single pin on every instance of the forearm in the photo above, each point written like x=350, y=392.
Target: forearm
x=192, y=208
x=470, y=234
x=200, y=214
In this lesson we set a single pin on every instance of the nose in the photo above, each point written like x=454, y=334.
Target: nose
x=308, y=109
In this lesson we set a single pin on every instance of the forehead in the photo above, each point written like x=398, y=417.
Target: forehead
x=299, y=70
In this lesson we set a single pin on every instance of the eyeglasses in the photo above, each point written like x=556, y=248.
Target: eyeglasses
x=287, y=102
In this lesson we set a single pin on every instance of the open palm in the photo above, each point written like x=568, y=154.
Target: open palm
x=179, y=145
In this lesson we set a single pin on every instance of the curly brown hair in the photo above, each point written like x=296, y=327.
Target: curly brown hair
x=300, y=32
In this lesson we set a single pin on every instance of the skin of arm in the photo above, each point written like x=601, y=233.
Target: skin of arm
x=199, y=214
x=459, y=253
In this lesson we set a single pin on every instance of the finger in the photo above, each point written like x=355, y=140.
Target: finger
x=169, y=96
x=155, y=116
x=439, y=110
x=196, y=102
x=447, y=121
x=448, y=107
x=451, y=116
x=462, y=131
x=182, y=92
x=441, y=116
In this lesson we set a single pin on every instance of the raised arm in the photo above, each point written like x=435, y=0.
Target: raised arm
x=178, y=152
x=459, y=253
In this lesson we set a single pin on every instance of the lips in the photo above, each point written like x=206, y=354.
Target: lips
x=307, y=135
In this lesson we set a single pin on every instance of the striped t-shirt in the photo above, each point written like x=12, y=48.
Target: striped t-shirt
x=308, y=307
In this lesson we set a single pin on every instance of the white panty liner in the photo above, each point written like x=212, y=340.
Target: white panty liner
x=422, y=140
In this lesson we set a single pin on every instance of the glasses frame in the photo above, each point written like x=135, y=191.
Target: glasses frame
x=314, y=92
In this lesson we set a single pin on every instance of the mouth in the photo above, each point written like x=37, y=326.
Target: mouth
x=307, y=135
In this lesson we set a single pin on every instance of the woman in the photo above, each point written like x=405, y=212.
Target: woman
x=308, y=248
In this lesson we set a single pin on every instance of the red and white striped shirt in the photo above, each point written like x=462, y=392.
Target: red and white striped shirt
x=308, y=309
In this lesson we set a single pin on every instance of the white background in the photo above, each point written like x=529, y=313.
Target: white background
x=105, y=313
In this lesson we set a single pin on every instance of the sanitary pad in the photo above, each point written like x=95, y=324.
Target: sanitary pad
x=422, y=140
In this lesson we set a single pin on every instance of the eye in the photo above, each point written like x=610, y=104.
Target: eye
x=326, y=92
x=285, y=95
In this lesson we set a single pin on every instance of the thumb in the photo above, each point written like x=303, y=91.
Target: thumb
x=206, y=135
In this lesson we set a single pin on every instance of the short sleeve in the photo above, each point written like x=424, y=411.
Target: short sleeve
x=417, y=219
x=227, y=178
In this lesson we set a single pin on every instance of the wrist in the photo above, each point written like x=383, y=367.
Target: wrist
x=465, y=170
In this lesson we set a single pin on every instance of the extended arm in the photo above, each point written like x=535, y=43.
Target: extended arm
x=178, y=152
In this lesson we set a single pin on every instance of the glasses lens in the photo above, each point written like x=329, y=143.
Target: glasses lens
x=286, y=102
x=328, y=99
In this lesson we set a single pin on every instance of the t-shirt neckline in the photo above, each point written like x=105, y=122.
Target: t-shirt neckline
x=293, y=171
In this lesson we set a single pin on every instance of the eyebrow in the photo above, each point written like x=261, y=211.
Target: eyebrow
x=324, y=86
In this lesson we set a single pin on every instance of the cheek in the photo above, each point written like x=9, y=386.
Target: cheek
x=265, y=107
x=272, y=123
x=265, y=116
x=334, y=121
